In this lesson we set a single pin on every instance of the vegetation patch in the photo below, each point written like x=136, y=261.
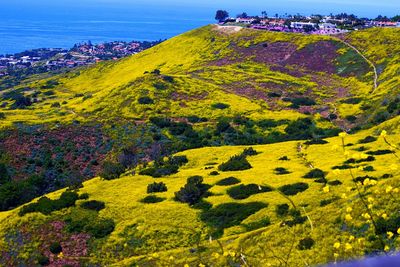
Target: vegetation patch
x=315, y=173
x=228, y=181
x=165, y=167
x=306, y=243
x=281, y=171
x=193, y=191
x=157, y=187
x=220, y=106
x=93, y=205
x=235, y=163
x=245, y=191
x=152, y=199
x=293, y=189
x=368, y=139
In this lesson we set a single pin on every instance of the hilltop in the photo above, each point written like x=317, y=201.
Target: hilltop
x=246, y=122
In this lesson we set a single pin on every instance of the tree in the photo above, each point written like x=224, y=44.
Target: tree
x=264, y=14
x=243, y=15
x=221, y=15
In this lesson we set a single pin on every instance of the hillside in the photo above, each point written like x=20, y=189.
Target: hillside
x=169, y=233
x=132, y=155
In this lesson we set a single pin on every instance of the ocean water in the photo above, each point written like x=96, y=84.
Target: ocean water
x=54, y=27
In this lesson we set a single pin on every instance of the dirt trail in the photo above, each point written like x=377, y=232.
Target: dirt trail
x=366, y=59
x=229, y=29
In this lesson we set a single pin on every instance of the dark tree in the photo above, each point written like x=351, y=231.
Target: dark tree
x=221, y=15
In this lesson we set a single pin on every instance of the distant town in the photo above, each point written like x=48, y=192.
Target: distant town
x=52, y=59
x=314, y=24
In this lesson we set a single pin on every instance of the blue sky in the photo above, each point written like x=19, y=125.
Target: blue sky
x=359, y=7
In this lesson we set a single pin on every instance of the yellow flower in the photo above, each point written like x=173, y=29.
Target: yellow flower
x=361, y=169
x=216, y=255
x=171, y=258
x=398, y=231
x=336, y=245
x=389, y=235
x=342, y=134
x=61, y=255
x=383, y=133
x=370, y=199
x=336, y=255
x=370, y=206
x=349, y=209
x=201, y=265
x=226, y=254
x=372, y=182
x=366, y=216
x=387, y=248
x=394, y=167
x=351, y=238
x=384, y=216
x=348, y=246
x=389, y=189
x=360, y=240
x=349, y=188
x=367, y=181
x=232, y=253
x=326, y=189
x=155, y=255
x=348, y=217
x=186, y=265
x=396, y=190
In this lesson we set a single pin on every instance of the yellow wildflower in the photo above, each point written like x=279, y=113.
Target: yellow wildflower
x=226, y=254
x=396, y=190
x=348, y=246
x=342, y=134
x=398, y=231
x=384, y=216
x=387, y=248
x=360, y=240
x=361, y=169
x=336, y=255
x=389, y=189
x=336, y=245
x=394, y=167
x=344, y=196
x=349, y=188
x=326, y=189
x=366, y=216
x=232, y=253
x=186, y=265
x=389, y=235
x=370, y=206
x=370, y=199
x=372, y=182
x=367, y=181
x=349, y=209
x=155, y=255
x=61, y=255
x=383, y=133
x=351, y=238
x=171, y=258
x=348, y=217
x=216, y=255
x=201, y=265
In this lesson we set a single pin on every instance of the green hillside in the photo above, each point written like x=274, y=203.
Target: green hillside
x=220, y=147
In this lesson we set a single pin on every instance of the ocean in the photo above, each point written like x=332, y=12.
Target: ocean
x=55, y=28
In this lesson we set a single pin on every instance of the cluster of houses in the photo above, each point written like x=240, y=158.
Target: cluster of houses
x=47, y=59
x=312, y=24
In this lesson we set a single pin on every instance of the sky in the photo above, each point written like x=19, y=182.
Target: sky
x=370, y=8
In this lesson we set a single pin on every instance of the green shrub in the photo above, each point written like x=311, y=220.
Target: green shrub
x=284, y=158
x=235, y=163
x=258, y=224
x=245, y=191
x=46, y=206
x=293, y=189
x=84, y=196
x=368, y=169
x=306, y=243
x=164, y=168
x=220, y=106
x=161, y=122
x=4, y=175
x=111, y=170
x=380, y=152
x=152, y=199
x=315, y=173
x=42, y=260
x=282, y=210
x=281, y=171
x=156, y=188
x=228, y=181
x=93, y=205
x=250, y=152
x=335, y=182
x=55, y=248
x=100, y=228
x=390, y=225
x=316, y=142
x=368, y=139
x=214, y=173
x=2, y=116
x=230, y=214
x=145, y=100
x=193, y=190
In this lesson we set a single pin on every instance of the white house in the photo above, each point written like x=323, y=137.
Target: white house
x=301, y=25
x=245, y=20
x=327, y=26
x=398, y=24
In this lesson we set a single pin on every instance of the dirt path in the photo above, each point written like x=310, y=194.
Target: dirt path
x=366, y=59
x=229, y=29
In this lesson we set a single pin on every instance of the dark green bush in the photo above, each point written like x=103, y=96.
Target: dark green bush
x=282, y=210
x=315, y=173
x=100, y=228
x=316, y=142
x=361, y=179
x=145, y=100
x=111, y=170
x=220, y=106
x=160, y=171
x=380, y=152
x=284, y=158
x=55, y=248
x=84, y=196
x=214, y=173
x=390, y=225
x=235, y=163
x=2, y=116
x=156, y=188
x=293, y=189
x=93, y=205
x=368, y=139
x=4, y=175
x=152, y=199
x=193, y=190
x=258, y=224
x=46, y=206
x=335, y=182
x=42, y=260
x=161, y=122
x=250, y=152
x=306, y=243
x=230, y=214
x=353, y=100
x=281, y=171
x=368, y=169
x=228, y=181
x=302, y=101
x=245, y=191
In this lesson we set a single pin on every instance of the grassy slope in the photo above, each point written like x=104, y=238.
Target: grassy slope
x=168, y=226
x=111, y=89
